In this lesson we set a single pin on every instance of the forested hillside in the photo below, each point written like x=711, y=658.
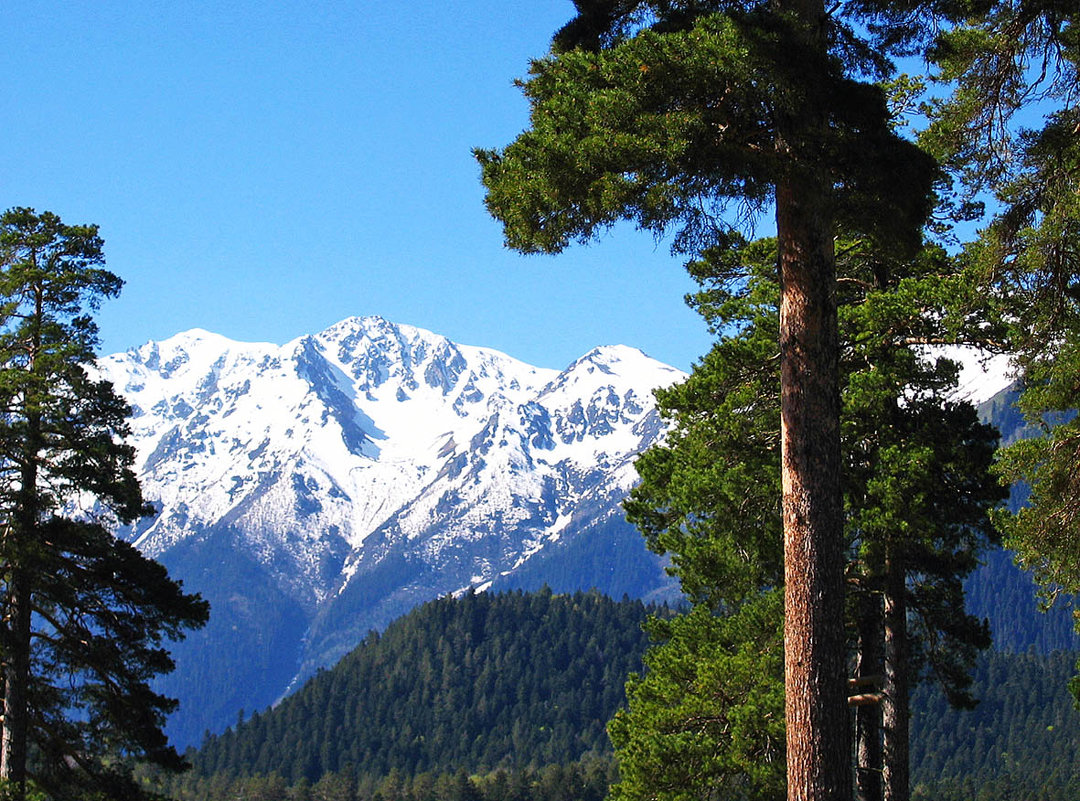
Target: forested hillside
x=317, y=490
x=999, y=590
x=1020, y=742
x=1007, y=597
x=505, y=698
x=485, y=681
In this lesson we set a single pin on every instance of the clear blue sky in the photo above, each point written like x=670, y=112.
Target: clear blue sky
x=265, y=168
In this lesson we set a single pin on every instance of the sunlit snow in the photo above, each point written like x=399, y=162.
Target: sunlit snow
x=369, y=426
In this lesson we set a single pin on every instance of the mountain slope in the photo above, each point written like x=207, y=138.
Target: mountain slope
x=522, y=681
x=483, y=681
x=320, y=489
x=999, y=590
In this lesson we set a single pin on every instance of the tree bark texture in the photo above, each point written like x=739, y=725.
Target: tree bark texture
x=868, y=716
x=815, y=652
x=21, y=551
x=814, y=645
x=16, y=657
x=896, y=712
x=16, y=672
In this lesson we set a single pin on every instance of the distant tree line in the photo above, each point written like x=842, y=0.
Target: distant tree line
x=586, y=780
x=1019, y=742
x=1020, y=737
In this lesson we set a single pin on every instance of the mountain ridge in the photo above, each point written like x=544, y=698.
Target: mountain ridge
x=317, y=490
x=348, y=475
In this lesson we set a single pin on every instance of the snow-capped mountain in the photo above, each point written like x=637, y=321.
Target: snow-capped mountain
x=316, y=490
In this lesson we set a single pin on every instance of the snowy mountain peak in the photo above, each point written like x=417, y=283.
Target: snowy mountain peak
x=354, y=472
x=374, y=432
x=628, y=362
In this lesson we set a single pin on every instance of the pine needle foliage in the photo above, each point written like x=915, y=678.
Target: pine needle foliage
x=918, y=490
x=86, y=617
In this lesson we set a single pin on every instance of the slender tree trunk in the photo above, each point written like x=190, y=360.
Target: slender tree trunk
x=896, y=712
x=21, y=551
x=16, y=672
x=16, y=667
x=868, y=716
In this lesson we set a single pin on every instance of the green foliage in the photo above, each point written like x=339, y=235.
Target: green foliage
x=586, y=780
x=707, y=719
x=479, y=682
x=710, y=496
x=917, y=486
x=1019, y=742
x=86, y=616
x=1009, y=58
x=665, y=113
x=1012, y=67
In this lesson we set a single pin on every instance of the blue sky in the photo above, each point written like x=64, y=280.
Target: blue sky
x=265, y=169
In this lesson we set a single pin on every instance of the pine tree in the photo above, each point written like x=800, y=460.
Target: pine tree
x=664, y=113
x=917, y=491
x=1018, y=65
x=85, y=615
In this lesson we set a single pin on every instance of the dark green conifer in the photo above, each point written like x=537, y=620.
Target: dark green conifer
x=917, y=491
x=669, y=114
x=85, y=616
x=1017, y=66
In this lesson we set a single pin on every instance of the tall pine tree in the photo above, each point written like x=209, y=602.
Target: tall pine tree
x=917, y=492
x=85, y=616
x=1013, y=126
x=666, y=113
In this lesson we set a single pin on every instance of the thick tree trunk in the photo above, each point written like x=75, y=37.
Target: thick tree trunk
x=815, y=658
x=814, y=646
x=868, y=716
x=896, y=712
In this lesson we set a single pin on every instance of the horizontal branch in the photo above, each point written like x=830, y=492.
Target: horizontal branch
x=873, y=680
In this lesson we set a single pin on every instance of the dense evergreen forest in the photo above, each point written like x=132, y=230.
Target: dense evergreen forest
x=482, y=682
x=587, y=780
x=505, y=698
x=1007, y=597
x=1020, y=742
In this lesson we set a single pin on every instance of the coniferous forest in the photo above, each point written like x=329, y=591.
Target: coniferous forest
x=505, y=698
x=518, y=682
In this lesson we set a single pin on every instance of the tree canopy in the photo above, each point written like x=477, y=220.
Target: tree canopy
x=918, y=488
x=1011, y=130
x=668, y=114
x=85, y=616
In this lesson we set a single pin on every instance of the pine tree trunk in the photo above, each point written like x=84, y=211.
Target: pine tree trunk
x=818, y=736
x=868, y=716
x=16, y=660
x=17, y=655
x=16, y=672
x=896, y=711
